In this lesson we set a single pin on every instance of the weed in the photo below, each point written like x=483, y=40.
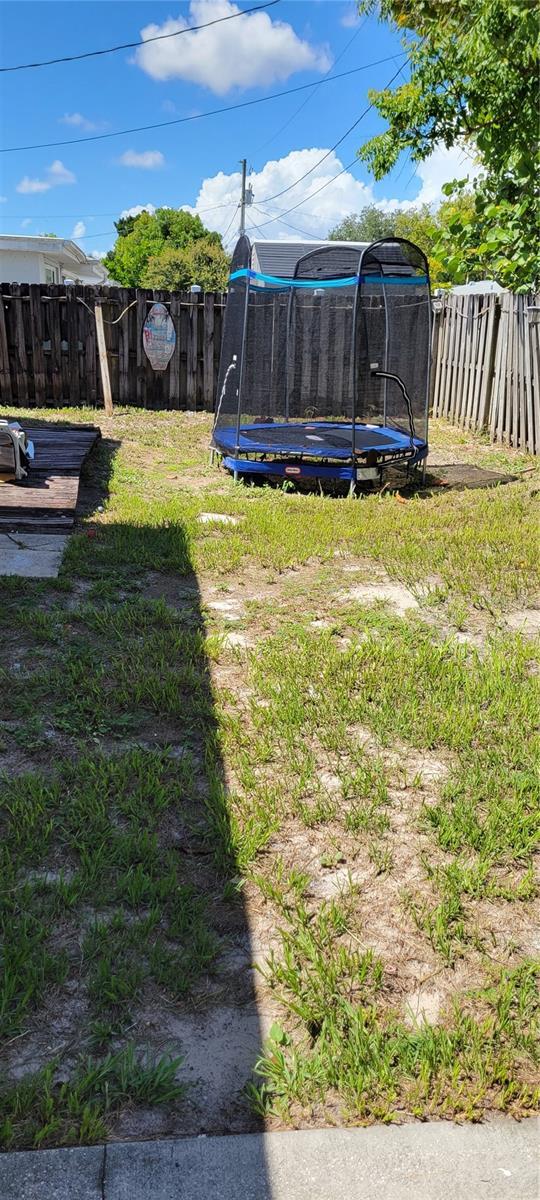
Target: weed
x=121, y=868
x=41, y=1111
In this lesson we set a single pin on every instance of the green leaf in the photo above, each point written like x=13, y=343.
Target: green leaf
x=278, y=1035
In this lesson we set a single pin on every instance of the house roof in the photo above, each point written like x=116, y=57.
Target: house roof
x=62, y=249
x=481, y=286
x=280, y=258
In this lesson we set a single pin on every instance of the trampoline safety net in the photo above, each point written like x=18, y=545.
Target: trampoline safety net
x=346, y=341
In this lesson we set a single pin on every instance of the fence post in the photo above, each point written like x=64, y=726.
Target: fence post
x=103, y=361
x=5, y=375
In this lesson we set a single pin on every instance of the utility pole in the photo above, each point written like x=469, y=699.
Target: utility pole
x=243, y=199
x=246, y=197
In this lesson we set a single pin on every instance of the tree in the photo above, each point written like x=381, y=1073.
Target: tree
x=368, y=225
x=125, y=225
x=146, y=235
x=431, y=230
x=201, y=262
x=473, y=83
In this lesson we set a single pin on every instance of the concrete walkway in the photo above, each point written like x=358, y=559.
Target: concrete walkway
x=31, y=555
x=436, y=1161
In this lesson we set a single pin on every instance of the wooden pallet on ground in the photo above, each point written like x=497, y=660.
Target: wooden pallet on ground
x=46, y=500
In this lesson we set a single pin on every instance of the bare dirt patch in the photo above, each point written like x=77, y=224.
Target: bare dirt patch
x=524, y=620
x=220, y=1047
x=395, y=594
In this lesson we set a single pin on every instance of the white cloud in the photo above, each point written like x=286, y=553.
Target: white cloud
x=27, y=186
x=56, y=175
x=79, y=230
x=351, y=17
x=343, y=196
x=320, y=212
x=3, y=199
x=147, y=160
x=442, y=166
x=138, y=208
x=78, y=121
x=250, y=51
x=27, y=221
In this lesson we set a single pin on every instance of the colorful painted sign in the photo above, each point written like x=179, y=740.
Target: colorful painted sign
x=159, y=337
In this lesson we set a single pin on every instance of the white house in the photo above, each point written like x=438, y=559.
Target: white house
x=46, y=260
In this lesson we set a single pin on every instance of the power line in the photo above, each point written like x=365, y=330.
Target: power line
x=160, y=37
x=254, y=226
x=224, y=235
x=78, y=216
x=315, y=86
x=286, y=211
x=266, y=199
x=98, y=137
x=311, y=236
x=83, y=237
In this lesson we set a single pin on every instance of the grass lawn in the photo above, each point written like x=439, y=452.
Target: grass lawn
x=269, y=799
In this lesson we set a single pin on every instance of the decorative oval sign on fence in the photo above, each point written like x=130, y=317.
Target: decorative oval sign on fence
x=159, y=337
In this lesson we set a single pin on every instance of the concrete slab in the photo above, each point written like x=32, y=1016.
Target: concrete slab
x=31, y=555
x=52, y=1175
x=218, y=519
x=432, y=1161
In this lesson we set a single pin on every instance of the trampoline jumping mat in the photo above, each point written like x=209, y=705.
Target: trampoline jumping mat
x=321, y=439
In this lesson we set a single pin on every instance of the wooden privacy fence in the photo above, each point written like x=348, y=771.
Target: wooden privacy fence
x=486, y=354
x=49, y=352
x=486, y=366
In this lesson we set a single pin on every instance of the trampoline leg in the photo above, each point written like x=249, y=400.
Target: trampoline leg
x=212, y=457
x=352, y=489
x=236, y=476
x=423, y=471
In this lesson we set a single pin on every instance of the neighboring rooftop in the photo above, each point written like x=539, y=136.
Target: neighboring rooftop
x=280, y=258
x=479, y=286
x=41, y=259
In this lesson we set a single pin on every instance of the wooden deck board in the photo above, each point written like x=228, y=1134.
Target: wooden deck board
x=47, y=499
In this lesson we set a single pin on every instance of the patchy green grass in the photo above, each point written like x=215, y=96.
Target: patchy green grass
x=351, y=786
x=356, y=1050
x=42, y=1111
x=478, y=545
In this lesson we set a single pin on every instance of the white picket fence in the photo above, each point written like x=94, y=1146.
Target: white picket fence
x=486, y=366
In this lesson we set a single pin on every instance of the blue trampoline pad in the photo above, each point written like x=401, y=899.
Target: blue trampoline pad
x=318, y=439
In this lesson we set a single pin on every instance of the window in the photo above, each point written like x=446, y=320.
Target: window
x=51, y=273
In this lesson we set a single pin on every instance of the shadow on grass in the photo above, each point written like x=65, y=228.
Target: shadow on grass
x=97, y=469
x=129, y=1006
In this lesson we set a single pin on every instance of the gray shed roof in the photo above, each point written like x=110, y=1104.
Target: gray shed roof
x=280, y=258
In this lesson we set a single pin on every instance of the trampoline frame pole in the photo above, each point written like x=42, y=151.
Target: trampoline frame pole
x=386, y=349
x=288, y=353
x=354, y=389
x=430, y=356
x=242, y=369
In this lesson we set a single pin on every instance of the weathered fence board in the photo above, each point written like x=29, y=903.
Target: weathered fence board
x=486, y=354
x=49, y=351
x=486, y=366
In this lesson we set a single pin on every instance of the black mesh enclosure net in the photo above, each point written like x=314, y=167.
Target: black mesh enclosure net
x=345, y=343
x=394, y=337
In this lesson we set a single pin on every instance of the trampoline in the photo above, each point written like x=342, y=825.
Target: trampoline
x=326, y=376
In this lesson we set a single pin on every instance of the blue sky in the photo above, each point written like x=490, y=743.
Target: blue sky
x=78, y=190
